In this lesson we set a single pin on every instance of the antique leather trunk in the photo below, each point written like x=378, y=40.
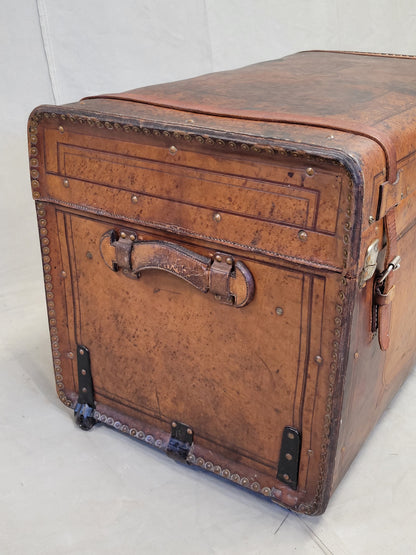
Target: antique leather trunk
x=222, y=263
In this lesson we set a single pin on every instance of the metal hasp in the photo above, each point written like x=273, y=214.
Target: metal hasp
x=84, y=409
x=180, y=442
x=370, y=263
x=288, y=468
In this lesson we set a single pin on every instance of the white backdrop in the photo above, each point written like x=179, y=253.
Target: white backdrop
x=59, y=51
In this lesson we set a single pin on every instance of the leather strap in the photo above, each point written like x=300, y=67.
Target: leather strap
x=362, y=129
x=385, y=289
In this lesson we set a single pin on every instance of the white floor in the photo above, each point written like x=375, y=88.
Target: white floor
x=71, y=492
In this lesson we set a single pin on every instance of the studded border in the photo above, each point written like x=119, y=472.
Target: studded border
x=211, y=141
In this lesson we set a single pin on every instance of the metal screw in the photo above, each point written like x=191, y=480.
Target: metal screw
x=279, y=310
x=173, y=150
x=134, y=199
x=218, y=258
x=318, y=359
x=309, y=171
x=65, y=183
x=61, y=129
x=302, y=235
x=217, y=217
x=123, y=235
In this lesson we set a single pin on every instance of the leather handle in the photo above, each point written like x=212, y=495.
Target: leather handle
x=229, y=280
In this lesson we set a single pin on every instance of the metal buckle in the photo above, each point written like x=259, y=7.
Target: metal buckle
x=391, y=267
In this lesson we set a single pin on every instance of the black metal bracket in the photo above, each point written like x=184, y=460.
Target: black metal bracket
x=288, y=468
x=85, y=406
x=181, y=439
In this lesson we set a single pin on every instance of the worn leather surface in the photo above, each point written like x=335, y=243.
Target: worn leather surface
x=298, y=205
x=335, y=90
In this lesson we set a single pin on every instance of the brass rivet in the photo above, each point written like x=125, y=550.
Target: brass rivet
x=61, y=129
x=309, y=171
x=81, y=352
x=286, y=477
x=310, y=452
x=279, y=310
x=218, y=258
x=70, y=354
x=229, y=260
x=89, y=255
x=174, y=424
x=134, y=199
x=63, y=274
x=356, y=355
x=189, y=431
x=84, y=390
x=65, y=183
x=302, y=235
x=371, y=220
x=217, y=217
x=318, y=359
x=123, y=235
x=132, y=237
x=83, y=372
x=288, y=456
x=173, y=150
x=190, y=121
x=290, y=435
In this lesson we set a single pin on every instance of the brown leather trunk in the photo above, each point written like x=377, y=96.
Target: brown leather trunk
x=210, y=250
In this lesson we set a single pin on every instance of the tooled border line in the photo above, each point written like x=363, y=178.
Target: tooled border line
x=233, y=145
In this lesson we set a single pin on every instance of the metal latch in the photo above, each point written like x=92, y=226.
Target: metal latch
x=180, y=442
x=370, y=263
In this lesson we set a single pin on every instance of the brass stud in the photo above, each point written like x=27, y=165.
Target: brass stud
x=218, y=258
x=174, y=424
x=371, y=220
x=356, y=355
x=229, y=260
x=217, y=217
x=134, y=199
x=310, y=452
x=288, y=456
x=189, y=431
x=65, y=183
x=318, y=359
x=132, y=237
x=286, y=477
x=173, y=150
x=70, y=355
x=279, y=310
x=84, y=390
x=291, y=435
x=63, y=274
x=36, y=194
x=190, y=121
x=61, y=129
x=303, y=236
x=83, y=372
x=123, y=235
x=309, y=171
x=81, y=352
